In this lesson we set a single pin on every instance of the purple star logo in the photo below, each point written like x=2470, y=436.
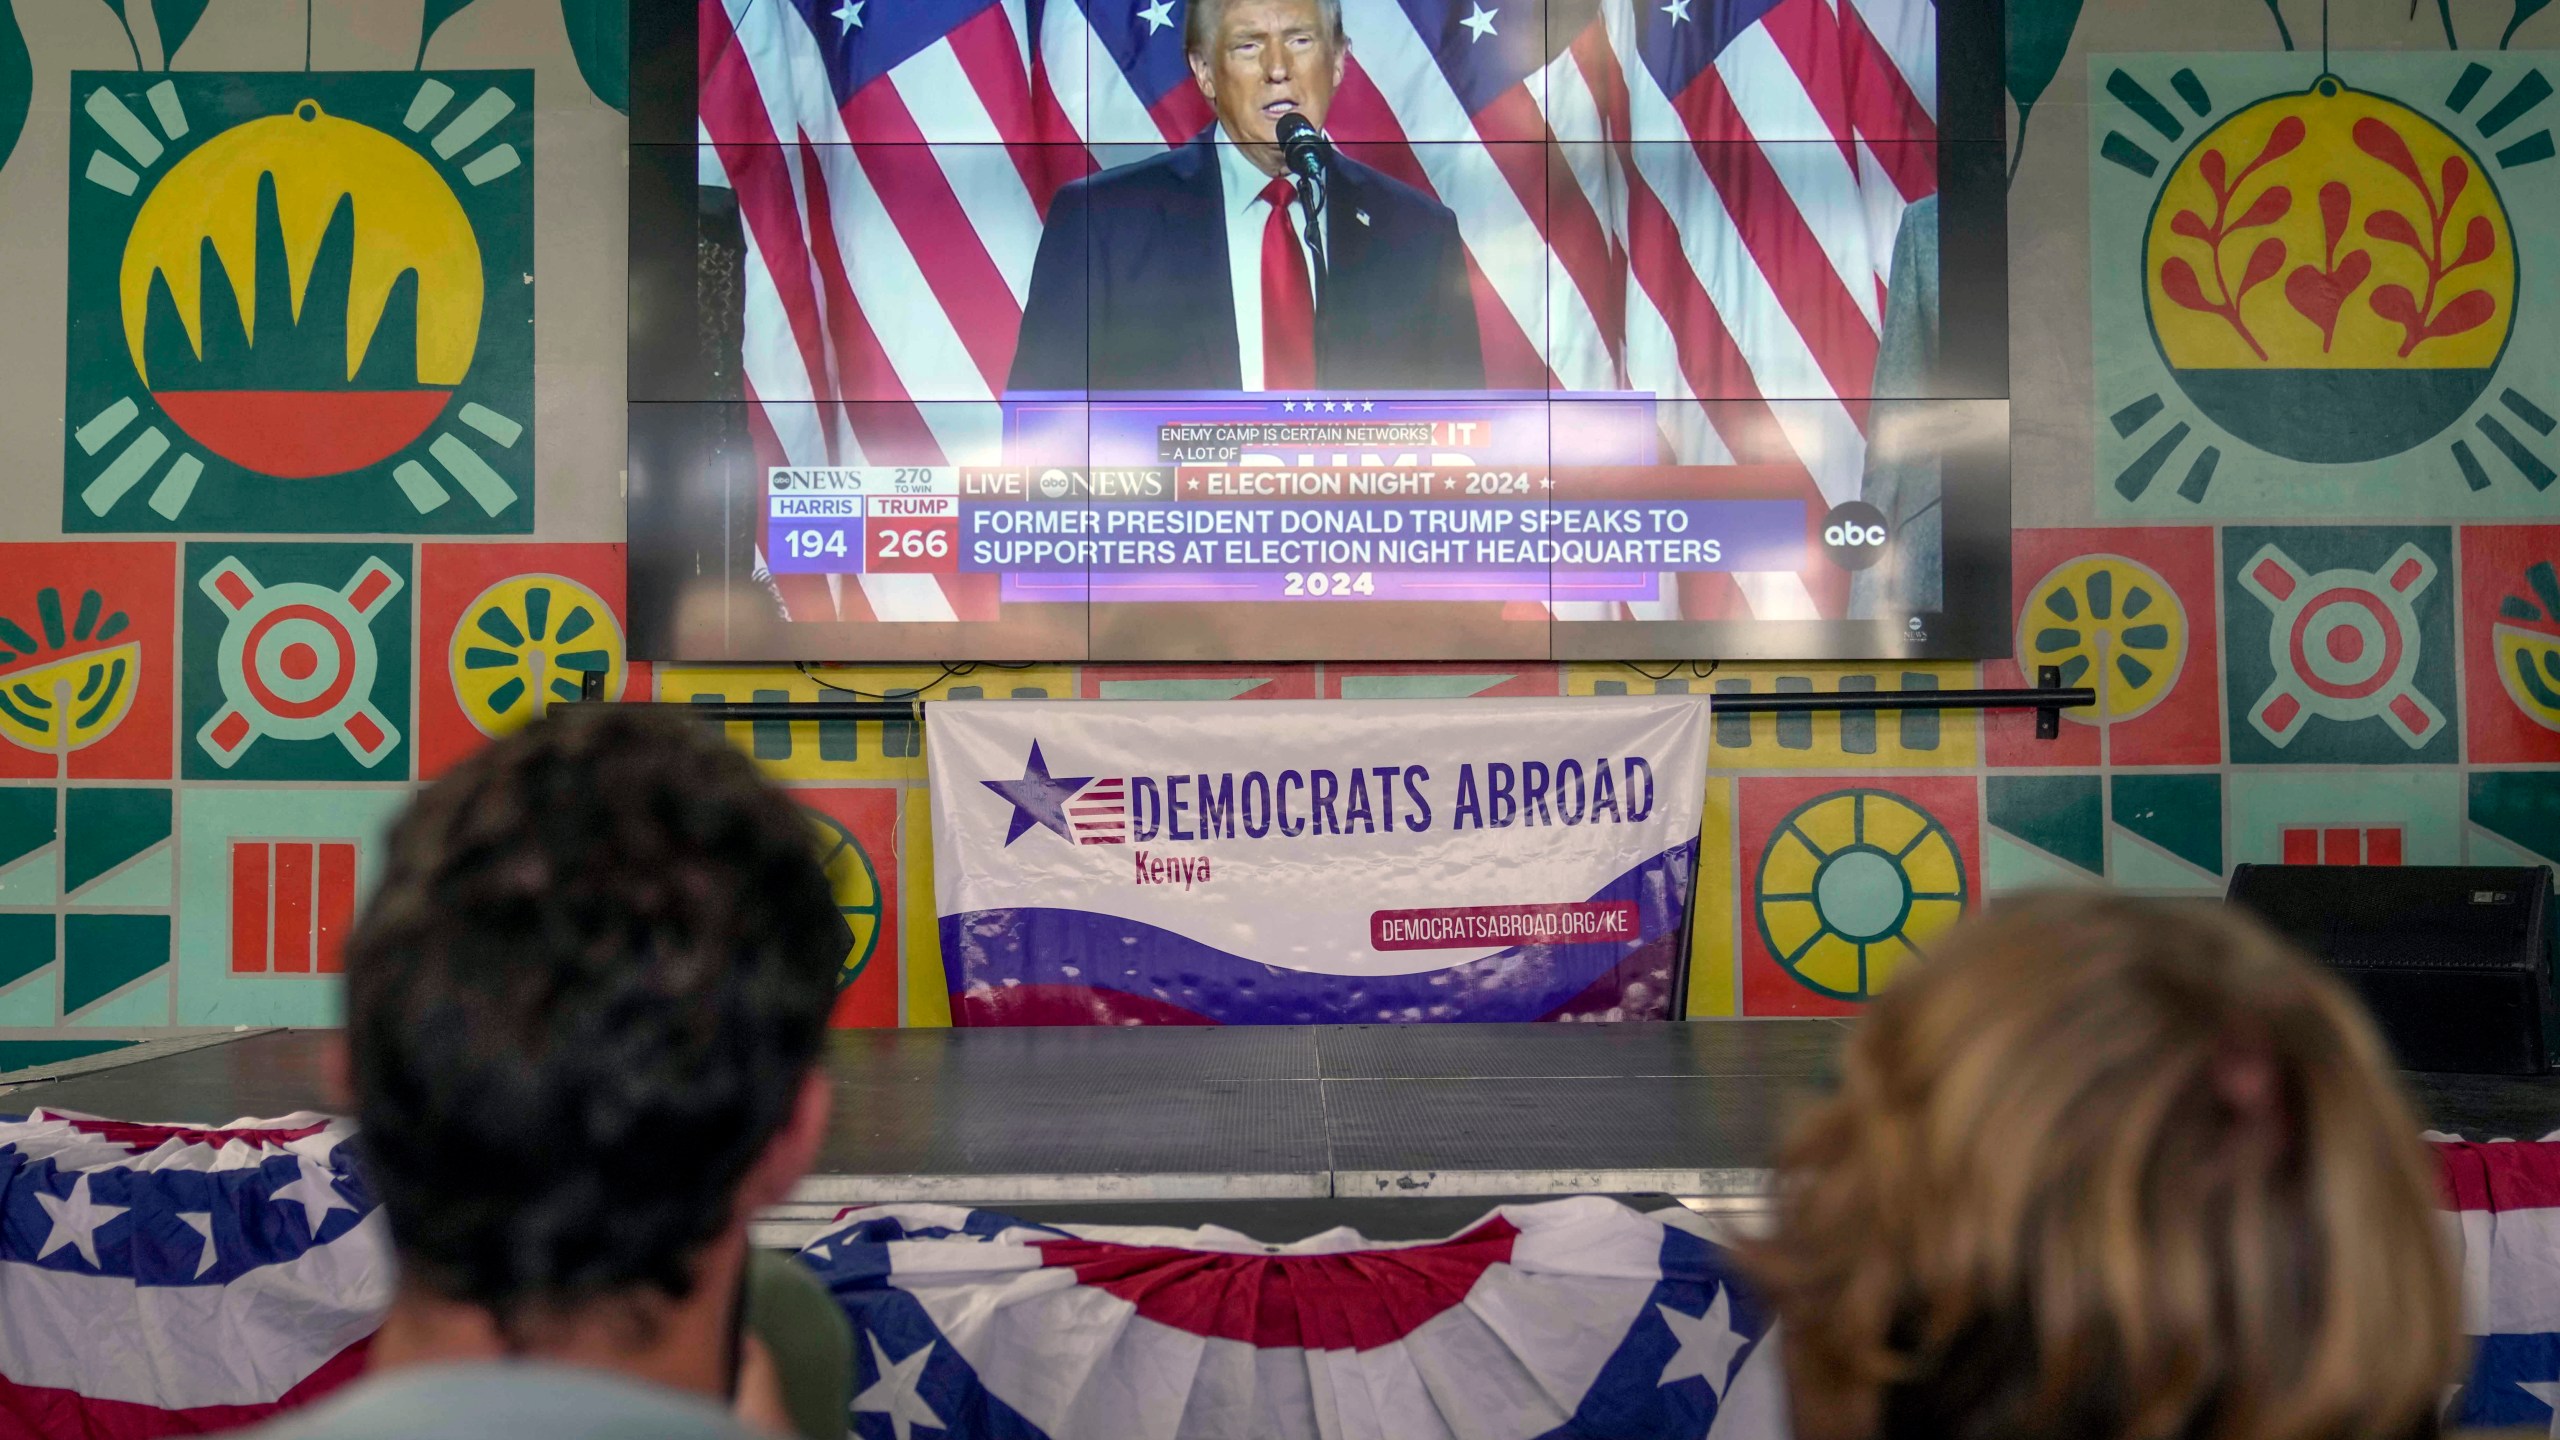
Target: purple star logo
x=1038, y=798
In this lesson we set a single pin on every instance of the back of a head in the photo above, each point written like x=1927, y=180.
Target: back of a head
x=581, y=1002
x=2112, y=1170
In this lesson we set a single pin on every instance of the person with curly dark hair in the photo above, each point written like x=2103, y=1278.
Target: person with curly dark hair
x=584, y=1013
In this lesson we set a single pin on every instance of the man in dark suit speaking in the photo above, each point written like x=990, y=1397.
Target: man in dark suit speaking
x=1191, y=270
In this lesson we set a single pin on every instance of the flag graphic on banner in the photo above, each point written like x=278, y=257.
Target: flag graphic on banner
x=1099, y=813
x=1696, y=199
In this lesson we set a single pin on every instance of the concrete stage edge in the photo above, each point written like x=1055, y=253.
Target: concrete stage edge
x=1294, y=1126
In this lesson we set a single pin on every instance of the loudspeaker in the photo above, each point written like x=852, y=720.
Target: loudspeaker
x=2453, y=960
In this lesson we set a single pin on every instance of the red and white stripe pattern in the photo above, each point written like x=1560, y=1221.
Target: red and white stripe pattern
x=1099, y=813
x=1697, y=199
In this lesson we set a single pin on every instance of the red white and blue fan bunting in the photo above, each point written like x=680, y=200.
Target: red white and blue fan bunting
x=1573, y=1318
x=168, y=1280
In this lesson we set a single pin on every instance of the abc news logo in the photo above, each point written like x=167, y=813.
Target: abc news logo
x=1854, y=535
x=814, y=480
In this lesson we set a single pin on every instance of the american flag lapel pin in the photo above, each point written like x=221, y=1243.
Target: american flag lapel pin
x=1360, y=215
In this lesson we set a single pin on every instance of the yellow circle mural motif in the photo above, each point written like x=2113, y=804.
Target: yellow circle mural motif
x=407, y=218
x=857, y=892
x=1851, y=885
x=2110, y=623
x=2330, y=275
x=57, y=694
x=524, y=643
x=373, y=243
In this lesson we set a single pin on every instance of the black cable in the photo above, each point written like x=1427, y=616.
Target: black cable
x=1674, y=668
x=961, y=671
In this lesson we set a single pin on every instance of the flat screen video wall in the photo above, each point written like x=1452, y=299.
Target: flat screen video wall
x=1294, y=329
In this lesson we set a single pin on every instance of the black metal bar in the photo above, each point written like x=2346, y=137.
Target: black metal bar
x=2047, y=700
x=1794, y=704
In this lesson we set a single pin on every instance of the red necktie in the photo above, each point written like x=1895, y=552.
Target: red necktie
x=1288, y=304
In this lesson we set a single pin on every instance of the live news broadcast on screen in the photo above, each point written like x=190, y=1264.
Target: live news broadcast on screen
x=1296, y=329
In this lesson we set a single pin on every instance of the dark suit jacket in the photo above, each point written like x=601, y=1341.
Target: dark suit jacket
x=1130, y=290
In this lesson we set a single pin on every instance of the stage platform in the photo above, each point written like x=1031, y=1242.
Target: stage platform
x=1265, y=1129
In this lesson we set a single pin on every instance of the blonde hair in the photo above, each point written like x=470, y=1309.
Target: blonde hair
x=2113, y=1170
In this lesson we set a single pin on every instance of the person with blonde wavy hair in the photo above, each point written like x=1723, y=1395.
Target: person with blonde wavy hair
x=2112, y=1169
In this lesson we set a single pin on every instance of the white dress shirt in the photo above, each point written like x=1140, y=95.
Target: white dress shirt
x=1242, y=182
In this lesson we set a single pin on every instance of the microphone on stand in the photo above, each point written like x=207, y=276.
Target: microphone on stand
x=1301, y=148
x=1304, y=153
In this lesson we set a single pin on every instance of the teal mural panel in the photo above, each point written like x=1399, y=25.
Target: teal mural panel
x=236, y=973
x=17, y=80
x=27, y=1054
x=26, y=823
x=301, y=303
x=102, y=954
x=2341, y=645
x=106, y=828
x=297, y=662
x=2312, y=282
x=2181, y=815
x=2394, y=817
x=2062, y=815
x=26, y=946
x=2520, y=807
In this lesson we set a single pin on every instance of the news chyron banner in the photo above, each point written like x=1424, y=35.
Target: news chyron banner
x=1314, y=862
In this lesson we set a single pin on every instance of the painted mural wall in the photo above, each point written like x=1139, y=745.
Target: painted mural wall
x=312, y=404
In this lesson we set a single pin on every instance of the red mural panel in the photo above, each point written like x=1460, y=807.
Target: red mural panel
x=87, y=631
x=857, y=838
x=2511, y=643
x=1843, y=880
x=2131, y=613
x=504, y=630
x=292, y=903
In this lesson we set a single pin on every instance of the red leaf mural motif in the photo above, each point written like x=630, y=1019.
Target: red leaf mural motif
x=2281, y=141
x=2394, y=303
x=2384, y=144
x=2264, y=262
x=2393, y=226
x=2419, y=316
x=2318, y=293
x=2467, y=311
x=2267, y=209
x=2178, y=282
x=2321, y=294
x=2479, y=242
x=2335, y=205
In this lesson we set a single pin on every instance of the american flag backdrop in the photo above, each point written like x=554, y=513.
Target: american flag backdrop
x=1694, y=198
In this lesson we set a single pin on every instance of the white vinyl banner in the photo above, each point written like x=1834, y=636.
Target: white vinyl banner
x=1314, y=861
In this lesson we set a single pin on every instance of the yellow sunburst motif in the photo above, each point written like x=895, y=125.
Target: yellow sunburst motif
x=407, y=219
x=1852, y=884
x=2107, y=622
x=527, y=641
x=857, y=892
x=71, y=688
x=2330, y=230
x=2330, y=275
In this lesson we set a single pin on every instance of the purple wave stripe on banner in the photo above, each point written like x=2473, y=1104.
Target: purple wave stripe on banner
x=1037, y=965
